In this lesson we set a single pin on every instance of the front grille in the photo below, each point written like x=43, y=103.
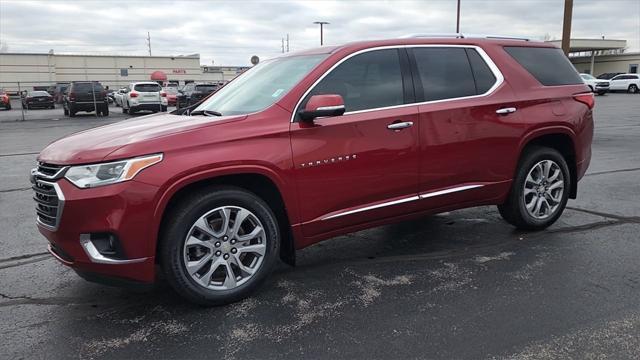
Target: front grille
x=47, y=194
x=48, y=169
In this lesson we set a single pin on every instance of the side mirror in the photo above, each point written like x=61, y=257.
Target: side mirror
x=323, y=106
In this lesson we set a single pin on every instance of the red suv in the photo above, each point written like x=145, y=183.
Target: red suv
x=315, y=144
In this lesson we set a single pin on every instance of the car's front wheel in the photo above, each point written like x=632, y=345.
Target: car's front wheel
x=219, y=245
x=540, y=190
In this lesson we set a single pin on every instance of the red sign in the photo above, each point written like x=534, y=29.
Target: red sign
x=179, y=71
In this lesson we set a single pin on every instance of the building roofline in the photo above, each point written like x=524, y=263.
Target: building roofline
x=192, y=56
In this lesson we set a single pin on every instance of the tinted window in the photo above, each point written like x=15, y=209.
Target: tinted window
x=147, y=87
x=548, y=65
x=86, y=87
x=206, y=88
x=445, y=73
x=481, y=72
x=366, y=81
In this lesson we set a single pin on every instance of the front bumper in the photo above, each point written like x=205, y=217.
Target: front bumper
x=124, y=210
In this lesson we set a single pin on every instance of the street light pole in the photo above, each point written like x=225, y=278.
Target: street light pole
x=321, y=23
x=458, y=19
x=566, y=26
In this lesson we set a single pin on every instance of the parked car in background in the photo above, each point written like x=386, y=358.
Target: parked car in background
x=607, y=76
x=57, y=91
x=37, y=99
x=111, y=96
x=119, y=95
x=147, y=95
x=192, y=93
x=313, y=145
x=5, y=100
x=625, y=82
x=597, y=86
x=172, y=93
x=85, y=96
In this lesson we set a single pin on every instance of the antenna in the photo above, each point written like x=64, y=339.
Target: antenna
x=149, y=42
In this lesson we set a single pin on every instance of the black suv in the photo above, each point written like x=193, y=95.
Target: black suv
x=85, y=96
x=192, y=93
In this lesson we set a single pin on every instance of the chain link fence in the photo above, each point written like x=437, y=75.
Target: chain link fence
x=45, y=100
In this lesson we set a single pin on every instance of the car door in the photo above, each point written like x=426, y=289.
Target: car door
x=353, y=169
x=618, y=82
x=468, y=125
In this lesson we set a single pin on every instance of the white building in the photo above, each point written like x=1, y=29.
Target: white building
x=42, y=70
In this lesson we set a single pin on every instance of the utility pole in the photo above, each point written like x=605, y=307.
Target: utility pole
x=566, y=26
x=282, y=44
x=321, y=23
x=287, y=42
x=149, y=42
x=458, y=19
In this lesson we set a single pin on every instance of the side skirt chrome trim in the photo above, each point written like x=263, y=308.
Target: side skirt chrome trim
x=449, y=191
x=371, y=207
x=404, y=200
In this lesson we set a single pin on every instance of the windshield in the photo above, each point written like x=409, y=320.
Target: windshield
x=587, y=76
x=261, y=86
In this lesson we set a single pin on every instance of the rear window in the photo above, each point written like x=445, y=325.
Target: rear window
x=206, y=88
x=548, y=65
x=147, y=87
x=86, y=87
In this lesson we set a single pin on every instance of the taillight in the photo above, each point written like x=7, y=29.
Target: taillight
x=72, y=96
x=585, y=98
x=163, y=94
x=133, y=94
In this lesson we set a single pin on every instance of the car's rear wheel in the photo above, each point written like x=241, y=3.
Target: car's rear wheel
x=633, y=88
x=66, y=111
x=219, y=245
x=540, y=190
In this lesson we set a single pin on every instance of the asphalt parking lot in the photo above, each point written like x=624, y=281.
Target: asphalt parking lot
x=457, y=285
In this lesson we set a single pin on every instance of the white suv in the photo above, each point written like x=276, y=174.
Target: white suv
x=597, y=86
x=146, y=95
x=625, y=82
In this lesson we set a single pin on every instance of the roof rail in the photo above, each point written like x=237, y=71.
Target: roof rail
x=443, y=35
x=462, y=36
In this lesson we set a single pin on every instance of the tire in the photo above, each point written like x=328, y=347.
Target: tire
x=66, y=112
x=52, y=107
x=8, y=107
x=164, y=108
x=124, y=110
x=532, y=163
x=130, y=111
x=105, y=111
x=209, y=203
x=633, y=88
x=72, y=112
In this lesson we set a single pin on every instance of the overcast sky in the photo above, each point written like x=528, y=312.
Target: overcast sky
x=230, y=32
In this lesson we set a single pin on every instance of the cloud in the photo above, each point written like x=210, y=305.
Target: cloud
x=230, y=32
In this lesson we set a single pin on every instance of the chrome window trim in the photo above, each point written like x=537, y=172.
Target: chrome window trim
x=61, y=200
x=406, y=199
x=336, y=107
x=487, y=59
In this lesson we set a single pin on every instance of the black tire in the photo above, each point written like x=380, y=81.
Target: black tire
x=633, y=88
x=124, y=110
x=66, y=112
x=52, y=107
x=8, y=107
x=513, y=210
x=72, y=112
x=179, y=221
x=130, y=111
x=105, y=111
x=164, y=108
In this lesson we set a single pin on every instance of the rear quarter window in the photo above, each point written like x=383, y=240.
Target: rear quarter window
x=548, y=65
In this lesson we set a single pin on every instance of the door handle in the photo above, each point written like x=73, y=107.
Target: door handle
x=505, y=111
x=397, y=126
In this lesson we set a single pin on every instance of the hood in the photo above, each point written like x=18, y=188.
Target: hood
x=94, y=145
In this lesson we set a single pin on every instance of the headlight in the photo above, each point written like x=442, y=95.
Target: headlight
x=86, y=176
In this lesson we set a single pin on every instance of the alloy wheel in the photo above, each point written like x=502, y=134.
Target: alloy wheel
x=543, y=189
x=224, y=248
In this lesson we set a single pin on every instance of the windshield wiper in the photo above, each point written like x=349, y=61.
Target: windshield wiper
x=205, y=112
